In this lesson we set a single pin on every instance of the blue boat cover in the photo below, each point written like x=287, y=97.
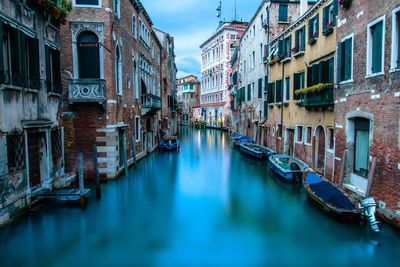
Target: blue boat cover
x=328, y=192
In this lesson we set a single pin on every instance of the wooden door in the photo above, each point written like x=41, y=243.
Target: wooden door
x=291, y=142
x=321, y=150
x=34, y=158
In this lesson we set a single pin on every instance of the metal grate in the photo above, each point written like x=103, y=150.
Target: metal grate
x=15, y=150
x=56, y=143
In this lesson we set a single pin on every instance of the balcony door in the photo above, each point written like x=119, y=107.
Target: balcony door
x=88, y=55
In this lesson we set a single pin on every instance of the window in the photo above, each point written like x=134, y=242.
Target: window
x=345, y=59
x=395, y=60
x=329, y=16
x=253, y=59
x=279, y=87
x=313, y=29
x=135, y=80
x=308, y=136
x=254, y=31
x=299, y=134
x=252, y=90
x=287, y=88
x=260, y=88
x=152, y=49
x=118, y=71
x=232, y=37
x=375, y=46
x=283, y=13
x=248, y=92
x=298, y=83
x=299, y=40
x=88, y=55
x=361, y=148
x=144, y=34
x=15, y=150
x=279, y=130
x=137, y=128
x=321, y=72
x=285, y=47
x=134, y=25
x=117, y=8
x=88, y=3
x=19, y=58
x=331, y=139
x=271, y=93
x=261, y=53
x=53, y=70
x=128, y=81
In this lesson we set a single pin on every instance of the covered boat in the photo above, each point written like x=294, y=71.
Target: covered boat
x=237, y=139
x=169, y=144
x=256, y=150
x=329, y=198
x=287, y=167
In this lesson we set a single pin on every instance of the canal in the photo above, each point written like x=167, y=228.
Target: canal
x=207, y=205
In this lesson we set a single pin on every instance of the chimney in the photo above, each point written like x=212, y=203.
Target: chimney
x=303, y=6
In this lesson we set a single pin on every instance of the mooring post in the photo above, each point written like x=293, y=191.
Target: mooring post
x=81, y=184
x=96, y=171
x=125, y=159
x=134, y=152
x=371, y=177
x=342, y=169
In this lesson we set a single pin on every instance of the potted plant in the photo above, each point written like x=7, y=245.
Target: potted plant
x=313, y=38
x=295, y=50
x=328, y=28
x=345, y=3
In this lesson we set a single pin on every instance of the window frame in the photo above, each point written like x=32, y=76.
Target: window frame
x=395, y=51
x=117, y=10
x=134, y=25
x=297, y=134
x=369, y=53
x=305, y=137
x=74, y=4
x=331, y=137
x=352, y=59
x=286, y=98
x=137, y=128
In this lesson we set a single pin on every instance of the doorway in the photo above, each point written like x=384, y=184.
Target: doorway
x=319, y=149
x=37, y=154
x=290, y=142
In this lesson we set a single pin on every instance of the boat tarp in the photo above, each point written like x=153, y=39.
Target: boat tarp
x=331, y=195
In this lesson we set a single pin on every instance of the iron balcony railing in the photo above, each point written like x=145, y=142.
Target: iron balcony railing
x=87, y=90
x=150, y=101
x=321, y=98
x=19, y=79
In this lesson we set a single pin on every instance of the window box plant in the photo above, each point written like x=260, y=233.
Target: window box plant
x=345, y=3
x=328, y=28
x=273, y=61
x=58, y=12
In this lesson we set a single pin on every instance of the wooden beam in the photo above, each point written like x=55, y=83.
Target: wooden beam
x=342, y=169
x=371, y=177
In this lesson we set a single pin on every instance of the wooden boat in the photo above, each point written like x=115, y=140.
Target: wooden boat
x=169, y=144
x=329, y=198
x=256, y=150
x=237, y=139
x=287, y=167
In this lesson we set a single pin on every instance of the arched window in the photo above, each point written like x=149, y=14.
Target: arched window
x=88, y=55
x=118, y=71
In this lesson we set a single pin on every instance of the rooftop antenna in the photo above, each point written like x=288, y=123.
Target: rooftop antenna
x=235, y=10
x=219, y=12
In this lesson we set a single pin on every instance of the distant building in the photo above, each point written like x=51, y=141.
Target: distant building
x=31, y=135
x=188, y=95
x=367, y=122
x=169, y=113
x=111, y=62
x=216, y=55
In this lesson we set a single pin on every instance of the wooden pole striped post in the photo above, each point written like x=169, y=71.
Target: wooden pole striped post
x=134, y=152
x=96, y=172
x=81, y=184
x=371, y=177
x=342, y=169
x=125, y=159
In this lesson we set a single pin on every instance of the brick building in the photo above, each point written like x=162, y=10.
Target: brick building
x=169, y=115
x=31, y=138
x=188, y=96
x=111, y=77
x=367, y=101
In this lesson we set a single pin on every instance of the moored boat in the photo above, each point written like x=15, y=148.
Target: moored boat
x=329, y=198
x=237, y=139
x=288, y=167
x=169, y=144
x=255, y=150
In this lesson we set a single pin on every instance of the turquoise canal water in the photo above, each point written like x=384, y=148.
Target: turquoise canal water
x=207, y=205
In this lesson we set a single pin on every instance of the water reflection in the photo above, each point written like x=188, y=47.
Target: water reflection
x=207, y=205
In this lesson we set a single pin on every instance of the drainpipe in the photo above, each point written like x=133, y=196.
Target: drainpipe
x=283, y=80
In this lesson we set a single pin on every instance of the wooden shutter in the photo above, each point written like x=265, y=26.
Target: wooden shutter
x=34, y=63
x=398, y=39
x=347, y=58
x=22, y=58
x=266, y=83
x=56, y=68
x=317, y=21
x=266, y=109
x=315, y=74
x=296, y=85
x=325, y=19
x=309, y=76
x=335, y=12
x=248, y=92
x=259, y=88
x=296, y=39
x=290, y=45
x=1, y=53
x=310, y=29
x=280, y=48
x=377, y=47
x=278, y=91
x=331, y=70
x=303, y=36
x=14, y=47
x=48, y=70
x=339, y=62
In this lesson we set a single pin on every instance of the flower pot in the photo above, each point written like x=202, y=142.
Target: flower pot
x=345, y=3
x=328, y=31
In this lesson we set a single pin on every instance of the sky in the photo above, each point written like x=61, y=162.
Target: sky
x=192, y=22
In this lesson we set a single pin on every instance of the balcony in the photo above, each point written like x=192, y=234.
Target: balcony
x=87, y=90
x=320, y=98
x=149, y=103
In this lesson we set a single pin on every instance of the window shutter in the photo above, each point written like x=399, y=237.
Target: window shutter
x=296, y=39
x=331, y=70
x=266, y=83
x=290, y=45
x=335, y=12
x=57, y=68
x=1, y=53
x=317, y=21
x=303, y=36
x=280, y=48
x=22, y=58
x=325, y=17
x=248, y=92
x=48, y=73
x=259, y=88
x=398, y=39
x=310, y=29
x=309, y=76
x=347, y=59
x=266, y=109
x=339, y=62
x=34, y=64
x=377, y=47
x=296, y=83
x=315, y=71
x=14, y=45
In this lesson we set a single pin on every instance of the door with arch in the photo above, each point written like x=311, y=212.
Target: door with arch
x=319, y=163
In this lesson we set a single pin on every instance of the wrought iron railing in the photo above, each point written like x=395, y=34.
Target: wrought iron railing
x=86, y=90
x=150, y=101
x=322, y=98
x=19, y=79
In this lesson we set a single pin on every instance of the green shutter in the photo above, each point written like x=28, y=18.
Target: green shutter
x=339, y=62
x=283, y=12
x=331, y=70
x=266, y=83
x=303, y=36
x=266, y=109
x=279, y=87
x=335, y=12
x=259, y=88
x=296, y=84
x=14, y=45
x=398, y=39
x=280, y=48
x=287, y=89
x=290, y=45
x=48, y=73
x=347, y=59
x=317, y=24
x=310, y=29
x=309, y=76
x=315, y=74
x=248, y=92
x=377, y=47
x=1, y=53
x=325, y=13
x=296, y=39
